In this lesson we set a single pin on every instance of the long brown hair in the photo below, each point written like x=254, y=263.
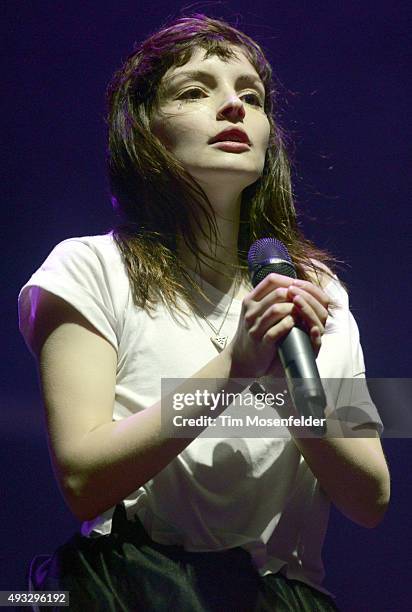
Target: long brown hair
x=156, y=199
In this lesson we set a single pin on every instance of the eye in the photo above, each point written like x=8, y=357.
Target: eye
x=254, y=99
x=194, y=93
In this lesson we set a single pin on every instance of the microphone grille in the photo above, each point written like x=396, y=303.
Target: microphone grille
x=266, y=248
x=268, y=255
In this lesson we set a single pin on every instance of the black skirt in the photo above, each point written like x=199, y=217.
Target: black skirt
x=126, y=571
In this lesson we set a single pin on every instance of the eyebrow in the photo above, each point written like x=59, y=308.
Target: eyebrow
x=202, y=75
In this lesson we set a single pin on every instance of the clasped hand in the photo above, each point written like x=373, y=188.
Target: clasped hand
x=268, y=313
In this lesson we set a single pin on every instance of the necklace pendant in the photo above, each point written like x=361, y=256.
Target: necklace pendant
x=219, y=342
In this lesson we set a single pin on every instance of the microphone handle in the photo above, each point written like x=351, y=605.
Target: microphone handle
x=302, y=375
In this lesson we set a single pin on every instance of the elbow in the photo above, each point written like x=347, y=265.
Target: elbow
x=77, y=500
x=85, y=500
x=85, y=484
x=379, y=512
x=78, y=507
x=376, y=511
x=373, y=519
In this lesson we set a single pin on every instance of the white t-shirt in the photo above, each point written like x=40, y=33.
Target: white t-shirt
x=218, y=493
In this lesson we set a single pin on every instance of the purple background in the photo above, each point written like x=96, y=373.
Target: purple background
x=344, y=70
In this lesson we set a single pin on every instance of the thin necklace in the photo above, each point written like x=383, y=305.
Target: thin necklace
x=217, y=339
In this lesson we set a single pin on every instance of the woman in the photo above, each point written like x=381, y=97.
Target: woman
x=198, y=172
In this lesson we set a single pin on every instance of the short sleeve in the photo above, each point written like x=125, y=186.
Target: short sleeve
x=353, y=404
x=75, y=272
x=362, y=408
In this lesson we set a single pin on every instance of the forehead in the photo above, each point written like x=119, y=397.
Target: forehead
x=237, y=65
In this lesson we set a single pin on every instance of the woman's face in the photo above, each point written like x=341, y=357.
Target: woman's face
x=204, y=98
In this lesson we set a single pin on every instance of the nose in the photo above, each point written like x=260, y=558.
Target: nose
x=233, y=109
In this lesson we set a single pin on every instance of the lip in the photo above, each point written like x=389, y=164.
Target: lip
x=231, y=135
x=231, y=146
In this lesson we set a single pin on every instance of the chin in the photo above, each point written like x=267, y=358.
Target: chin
x=243, y=176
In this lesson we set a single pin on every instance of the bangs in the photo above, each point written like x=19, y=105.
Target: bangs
x=225, y=50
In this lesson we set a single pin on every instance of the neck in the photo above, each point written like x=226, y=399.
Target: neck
x=227, y=212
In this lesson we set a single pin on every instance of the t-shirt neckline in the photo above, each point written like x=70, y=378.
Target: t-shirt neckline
x=221, y=300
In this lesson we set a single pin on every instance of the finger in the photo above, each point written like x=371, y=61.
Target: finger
x=257, y=309
x=316, y=339
x=270, y=317
x=280, y=294
x=271, y=282
x=313, y=290
x=278, y=331
x=307, y=313
x=317, y=306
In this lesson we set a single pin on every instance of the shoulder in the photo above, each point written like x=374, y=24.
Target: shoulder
x=84, y=274
x=102, y=247
x=322, y=276
x=85, y=259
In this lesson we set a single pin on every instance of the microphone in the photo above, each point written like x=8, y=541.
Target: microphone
x=295, y=350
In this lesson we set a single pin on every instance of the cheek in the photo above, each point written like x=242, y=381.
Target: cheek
x=163, y=132
x=174, y=135
x=265, y=135
x=262, y=143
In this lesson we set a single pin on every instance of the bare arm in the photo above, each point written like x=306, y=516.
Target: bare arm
x=352, y=472
x=98, y=462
